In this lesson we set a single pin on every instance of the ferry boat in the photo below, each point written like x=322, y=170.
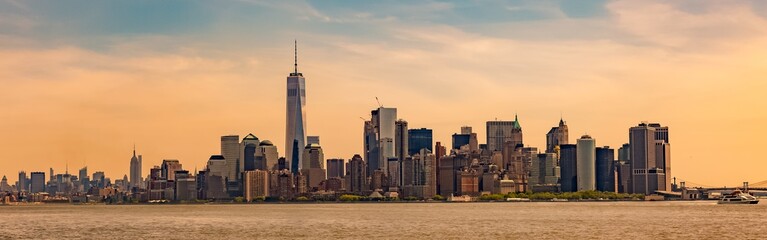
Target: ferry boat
x=738, y=197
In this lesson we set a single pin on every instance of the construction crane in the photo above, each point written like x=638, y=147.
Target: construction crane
x=379, y=102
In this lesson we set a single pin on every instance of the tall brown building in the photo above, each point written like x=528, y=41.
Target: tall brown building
x=557, y=136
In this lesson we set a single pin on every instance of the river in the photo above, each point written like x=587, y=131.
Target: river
x=548, y=220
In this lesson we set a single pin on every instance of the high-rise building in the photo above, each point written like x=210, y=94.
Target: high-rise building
x=135, y=170
x=460, y=140
x=169, y=168
x=557, y=136
x=84, y=179
x=586, y=164
x=217, y=166
x=247, y=153
x=605, y=169
x=500, y=132
x=23, y=184
x=185, y=186
x=267, y=156
x=371, y=150
x=648, y=171
x=401, y=138
x=568, y=159
x=419, y=139
x=335, y=167
x=295, y=129
x=312, y=140
x=380, y=138
x=230, y=149
x=624, y=152
x=356, y=176
x=313, y=165
x=544, y=170
x=37, y=180
x=255, y=184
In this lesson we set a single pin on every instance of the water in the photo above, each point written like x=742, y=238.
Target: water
x=586, y=220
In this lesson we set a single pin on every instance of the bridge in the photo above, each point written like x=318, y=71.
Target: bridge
x=757, y=189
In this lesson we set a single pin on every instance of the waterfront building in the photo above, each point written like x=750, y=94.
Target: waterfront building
x=419, y=139
x=255, y=184
x=185, y=186
x=267, y=157
x=568, y=159
x=84, y=180
x=446, y=175
x=557, y=136
x=37, y=182
x=605, y=169
x=23, y=183
x=230, y=149
x=401, y=139
x=544, y=170
x=295, y=129
x=356, y=176
x=135, y=170
x=647, y=165
x=168, y=167
x=371, y=150
x=586, y=163
x=314, y=165
x=247, y=153
x=500, y=132
x=335, y=167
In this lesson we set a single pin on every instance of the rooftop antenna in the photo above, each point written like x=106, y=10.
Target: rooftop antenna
x=379, y=102
x=295, y=56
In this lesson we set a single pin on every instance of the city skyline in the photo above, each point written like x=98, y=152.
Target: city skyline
x=88, y=97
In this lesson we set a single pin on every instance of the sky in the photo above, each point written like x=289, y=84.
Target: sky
x=82, y=81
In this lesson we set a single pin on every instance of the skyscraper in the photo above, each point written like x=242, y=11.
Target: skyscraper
x=135, y=170
x=267, y=156
x=313, y=165
x=335, y=167
x=356, y=176
x=247, y=153
x=169, y=168
x=38, y=182
x=295, y=129
x=568, y=159
x=648, y=171
x=230, y=149
x=586, y=164
x=23, y=184
x=419, y=139
x=557, y=136
x=401, y=138
x=380, y=138
x=500, y=132
x=605, y=169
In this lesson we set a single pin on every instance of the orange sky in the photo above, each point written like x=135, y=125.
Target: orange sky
x=69, y=93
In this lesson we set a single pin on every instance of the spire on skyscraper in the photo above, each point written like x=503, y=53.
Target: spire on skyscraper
x=295, y=56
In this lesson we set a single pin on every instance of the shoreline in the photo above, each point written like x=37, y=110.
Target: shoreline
x=341, y=202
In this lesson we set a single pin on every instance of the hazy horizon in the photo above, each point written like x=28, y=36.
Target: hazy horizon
x=82, y=86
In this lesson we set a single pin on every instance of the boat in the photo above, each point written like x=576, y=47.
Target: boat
x=738, y=197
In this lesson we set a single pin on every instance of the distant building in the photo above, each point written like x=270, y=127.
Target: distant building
x=557, y=136
x=313, y=140
x=586, y=163
x=37, y=180
x=295, y=127
x=136, y=180
x=605, y=169
x=648, y=167
x=335, y=167
x=545, y=170
x=247, y=153
x=23, y=184
x=356, y=176
x=267, y=157
x=169, y=167
x=568, y=159
x=401, y=138
x=185, y=186
x=313, y=165
x=624, y=152
x=419, y=139
x=217, y=166
x=255, y=184
x=500, y=132
x=230, y=149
